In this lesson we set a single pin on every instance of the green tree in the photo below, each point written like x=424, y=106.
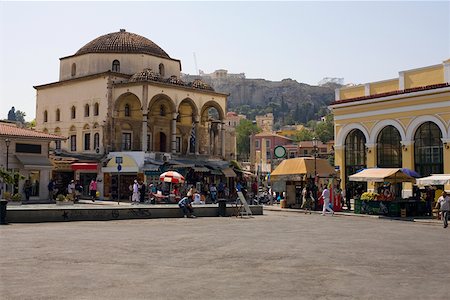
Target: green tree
x=243, y=132
x=325, y=129
x=303, y=135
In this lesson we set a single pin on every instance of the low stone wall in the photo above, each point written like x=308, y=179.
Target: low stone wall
x=79, y=213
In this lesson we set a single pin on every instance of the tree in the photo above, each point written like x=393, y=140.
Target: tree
x=20, y=116
x=303, y=135
x=325, y=129
x=244, y=130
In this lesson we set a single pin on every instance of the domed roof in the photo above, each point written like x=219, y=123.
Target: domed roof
x=122, y=42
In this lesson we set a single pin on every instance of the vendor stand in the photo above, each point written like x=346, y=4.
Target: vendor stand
x=386, y=203
x=434, y=185
x=298, y=172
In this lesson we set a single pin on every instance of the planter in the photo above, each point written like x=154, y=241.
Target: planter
x=14, y=203
x=64, y=202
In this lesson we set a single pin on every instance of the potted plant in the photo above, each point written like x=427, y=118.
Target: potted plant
x=16, y=199
x=6, y=196
x=64, y=200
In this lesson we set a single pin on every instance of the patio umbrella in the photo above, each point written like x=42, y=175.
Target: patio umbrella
x=171, y=177
x=411, y=173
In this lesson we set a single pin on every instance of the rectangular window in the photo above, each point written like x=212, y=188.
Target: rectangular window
x=73, y=143
x=268, y=144
x=149, y=142
x=305, y=152
x=58, y=144
x=28, y=148
x=87, y=141
x=126, y=141
x=257, y=144
x=291, y=154
x=34, y=177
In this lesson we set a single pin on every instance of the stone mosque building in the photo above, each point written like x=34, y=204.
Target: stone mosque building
x=121, y=93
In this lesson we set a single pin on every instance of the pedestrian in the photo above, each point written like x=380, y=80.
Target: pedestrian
x=221, y=189
x=93, y=189
x=27, y=189
x=307, y=200
x=71, y=190
x=78, y=190
x=51, y=189
x=326, y=201
x=444, y=205
x=142, y=192
x=135, y=196
x=348, y=196
x=185, y=205
x=213, y=193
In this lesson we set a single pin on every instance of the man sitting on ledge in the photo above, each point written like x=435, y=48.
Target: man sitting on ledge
x=185, y=205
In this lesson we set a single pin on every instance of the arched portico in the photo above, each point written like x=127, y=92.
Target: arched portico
x=212, y=123
x=127, y=123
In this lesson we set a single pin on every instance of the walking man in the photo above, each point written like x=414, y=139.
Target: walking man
x=444, y=203
x=326, y=201
x=93, y=189
x=135, y=196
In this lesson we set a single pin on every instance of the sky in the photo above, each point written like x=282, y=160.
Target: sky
x=360, y=41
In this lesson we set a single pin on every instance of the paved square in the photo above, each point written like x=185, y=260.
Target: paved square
x=280, y=255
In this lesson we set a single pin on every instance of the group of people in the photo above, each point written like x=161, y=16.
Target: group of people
x=309, y=200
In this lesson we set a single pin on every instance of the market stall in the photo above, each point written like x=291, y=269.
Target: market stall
x=385, y=200
x=300, y=171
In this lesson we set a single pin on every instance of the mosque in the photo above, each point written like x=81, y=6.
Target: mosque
x=121, y=93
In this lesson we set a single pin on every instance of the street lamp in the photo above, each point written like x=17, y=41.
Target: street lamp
x=314, y=142
x=7, y=142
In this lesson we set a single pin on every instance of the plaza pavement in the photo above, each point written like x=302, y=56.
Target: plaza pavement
x=280, y=255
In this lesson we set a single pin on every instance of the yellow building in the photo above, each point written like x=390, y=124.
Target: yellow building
x=402, y=122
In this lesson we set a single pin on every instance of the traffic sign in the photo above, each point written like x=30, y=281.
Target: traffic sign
x=119, y=160
x=279, y=151
x=119, y=167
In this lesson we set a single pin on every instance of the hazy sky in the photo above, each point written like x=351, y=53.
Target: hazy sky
x=306, y=41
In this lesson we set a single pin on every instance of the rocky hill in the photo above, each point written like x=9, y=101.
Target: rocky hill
x=290, y=101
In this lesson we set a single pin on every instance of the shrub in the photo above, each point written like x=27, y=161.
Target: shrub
x=369, y=196
x=61, y=197
x=7, y=195
x=16, y=197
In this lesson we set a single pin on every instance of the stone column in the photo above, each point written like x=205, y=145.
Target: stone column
x=197, y=138
x=222, y=138
x=144, y=117
x=407, y=162
x=174, y=133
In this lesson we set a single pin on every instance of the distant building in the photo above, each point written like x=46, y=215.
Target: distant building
x=222, y=74
x=265, y=122
x=335, y=80
x=290, y=130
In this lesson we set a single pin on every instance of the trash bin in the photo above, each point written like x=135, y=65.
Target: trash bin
x=282, y=203
x=3, y=204
x=222, y=207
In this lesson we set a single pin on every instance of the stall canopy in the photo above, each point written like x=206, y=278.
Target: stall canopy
x=382, y=175
x=301, y=167
x=434, y=179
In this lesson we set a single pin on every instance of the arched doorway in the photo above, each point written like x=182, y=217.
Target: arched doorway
x=162, y=140
x=355, y=159
x=389, y=148
x=428, y=152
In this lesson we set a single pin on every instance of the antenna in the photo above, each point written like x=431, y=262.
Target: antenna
x=196, y=67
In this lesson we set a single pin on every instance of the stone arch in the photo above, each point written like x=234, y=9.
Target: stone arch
x=382, y=124
x=157, y=100
x=132, y=101
x=204, y=117
x=58, y=131
x=72, y=128
x=187, y=110
x=414, y=125
x=86, y=127
x=342, y=135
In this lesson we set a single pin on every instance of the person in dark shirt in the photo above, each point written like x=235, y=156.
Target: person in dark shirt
x=185, y=205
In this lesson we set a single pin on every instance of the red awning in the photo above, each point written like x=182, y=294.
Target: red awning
x=84, y=166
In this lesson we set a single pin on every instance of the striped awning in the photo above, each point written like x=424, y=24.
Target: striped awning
x=228, y=172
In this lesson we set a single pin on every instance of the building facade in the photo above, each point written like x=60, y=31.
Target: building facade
x=396, y=123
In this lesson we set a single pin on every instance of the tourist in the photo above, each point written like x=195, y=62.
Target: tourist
x=307, y=200
x=326, y=201
x=27, y=189
x=142, y=192
x=444, y=204
x=185, y=205
x=135, y=195
x=221, y=189
x=213, y=193
x=93, y=189
x=51, y=189
x=71, y=189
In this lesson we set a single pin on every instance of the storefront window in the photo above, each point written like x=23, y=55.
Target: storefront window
x=428, y=154
x=389, y=148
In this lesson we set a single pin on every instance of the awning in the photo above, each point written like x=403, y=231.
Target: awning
x=434, y=179
x=150, y=167
x=228, y=172
x=32, y=162
x=381, y=175
x=84, y=166
x=301, y=167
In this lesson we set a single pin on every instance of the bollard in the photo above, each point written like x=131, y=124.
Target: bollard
x=3, y=204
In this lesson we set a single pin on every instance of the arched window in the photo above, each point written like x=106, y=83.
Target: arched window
x=74, y=70
x=86, y=110
x=355, y=152
x=428, y=154
x=162, y=110
x=162, y=71
x=127, y=110
x=96, y=109
x=58, y=115
x=96, y=141
x=45, y=116
x=389, y=148
x=116, y=66
x=73, y=112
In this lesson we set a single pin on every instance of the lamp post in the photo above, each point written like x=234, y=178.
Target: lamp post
x=314, y=142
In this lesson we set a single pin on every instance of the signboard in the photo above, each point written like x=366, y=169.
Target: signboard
x=119, y=167
x=279, y=151
x=119, y=160
x=279, y=186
